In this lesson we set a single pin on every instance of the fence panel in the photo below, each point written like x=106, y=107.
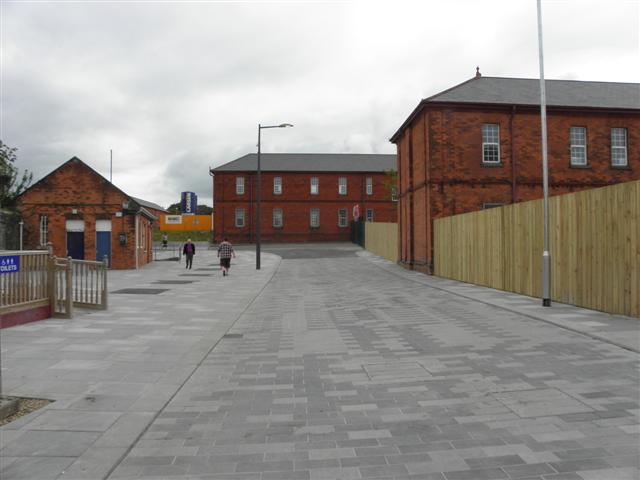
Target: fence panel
x=89, y=283
x=26, y=286
x=594, y=243
x=382, y=239
x=61, y=287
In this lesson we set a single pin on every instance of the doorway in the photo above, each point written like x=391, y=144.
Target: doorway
x=103, y=241
x=75, y=239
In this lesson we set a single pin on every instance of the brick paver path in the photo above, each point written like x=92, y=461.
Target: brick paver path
x=342, y=370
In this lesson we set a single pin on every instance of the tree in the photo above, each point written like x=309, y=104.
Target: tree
x=204, y=210
x=391, y=184
x=174, y=209
x=12, y=183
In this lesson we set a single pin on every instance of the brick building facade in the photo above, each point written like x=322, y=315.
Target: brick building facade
x=81, y=214
x=478, y=145
x=304, y=197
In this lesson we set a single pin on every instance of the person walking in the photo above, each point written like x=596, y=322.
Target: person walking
x=225, y=252
x=189, y=250
x=165, y=239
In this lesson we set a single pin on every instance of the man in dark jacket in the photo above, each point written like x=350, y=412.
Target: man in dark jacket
x=189, y=250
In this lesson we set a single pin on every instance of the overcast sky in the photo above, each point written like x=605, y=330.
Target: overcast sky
x=176, y=87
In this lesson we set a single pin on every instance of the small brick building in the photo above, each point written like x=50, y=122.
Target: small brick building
x=478, y=145
x=83, y=215
x=304, y=197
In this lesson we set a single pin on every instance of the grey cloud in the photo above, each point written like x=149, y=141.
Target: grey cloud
x=172, y=84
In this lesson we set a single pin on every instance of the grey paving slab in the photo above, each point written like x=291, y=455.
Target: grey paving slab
x=110, y=373
x=337, y=366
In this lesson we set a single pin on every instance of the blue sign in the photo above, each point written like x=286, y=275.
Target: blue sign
x=9, y=264
x=189, y=202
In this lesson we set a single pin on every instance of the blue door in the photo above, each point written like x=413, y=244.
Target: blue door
x=103, y=240
x=103, y=246
x=75, y=245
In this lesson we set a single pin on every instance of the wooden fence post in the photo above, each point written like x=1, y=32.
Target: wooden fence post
x=105, y=267
x=69, y=287
x=51, y=283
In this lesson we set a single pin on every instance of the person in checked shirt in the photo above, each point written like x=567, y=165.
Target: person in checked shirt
x=225, y=252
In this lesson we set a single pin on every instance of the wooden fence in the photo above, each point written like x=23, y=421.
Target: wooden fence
x=382, y=239
x=594, y=246
x=27, y=286
x=90, y=283
x=43, y=280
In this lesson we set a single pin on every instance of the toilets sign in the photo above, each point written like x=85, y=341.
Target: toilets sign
x=9, y=263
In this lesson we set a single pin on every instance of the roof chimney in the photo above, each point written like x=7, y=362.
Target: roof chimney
x=478, y=74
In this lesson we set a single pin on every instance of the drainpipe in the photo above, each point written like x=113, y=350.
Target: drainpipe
x=136, y=221
x=513, y=155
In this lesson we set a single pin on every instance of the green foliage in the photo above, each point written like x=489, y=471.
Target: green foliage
x=12, y=183
x=175, y=209
x=391, y=184
x=204, y=210
x=180, y=236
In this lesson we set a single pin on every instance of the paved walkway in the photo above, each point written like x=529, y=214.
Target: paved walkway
x=327, y=364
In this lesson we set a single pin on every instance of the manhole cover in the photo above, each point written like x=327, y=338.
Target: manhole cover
x=395, y=370
x=174, y=282
x=142, y=291
x=541, y=403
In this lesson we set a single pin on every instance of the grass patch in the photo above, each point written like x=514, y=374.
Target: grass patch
x=195, y=236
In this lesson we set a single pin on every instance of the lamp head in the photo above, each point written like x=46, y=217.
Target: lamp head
x=284, y=125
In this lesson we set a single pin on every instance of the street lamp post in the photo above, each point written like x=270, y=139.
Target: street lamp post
x=546, y=255
x=258, y=185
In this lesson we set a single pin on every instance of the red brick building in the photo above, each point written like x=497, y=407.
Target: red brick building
x=84, y=216
x=478, y=145
x=304, y=197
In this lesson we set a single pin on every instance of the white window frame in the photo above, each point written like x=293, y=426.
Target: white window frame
x=44, y=229
x=239, y=185
x=342, y=185
x=277, y=219
x=314, y=217
x=277, y=185
x=369, y=183
x=369, y=214
x=619, y=156
x=491, y=138
x=343, y=214
x=315, y=186
x=239, y=218
x=578, y=151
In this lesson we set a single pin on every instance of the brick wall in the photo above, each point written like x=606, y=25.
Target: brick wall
x=441, y=171
x=75, y=187
x=296, y=201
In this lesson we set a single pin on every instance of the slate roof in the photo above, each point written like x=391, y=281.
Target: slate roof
x=311, y=162
x=145, y=203
x=526, y=92
x=140, y=202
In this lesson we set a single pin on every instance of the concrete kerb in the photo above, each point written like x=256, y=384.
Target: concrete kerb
x=496, y=299
x=8, y=406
